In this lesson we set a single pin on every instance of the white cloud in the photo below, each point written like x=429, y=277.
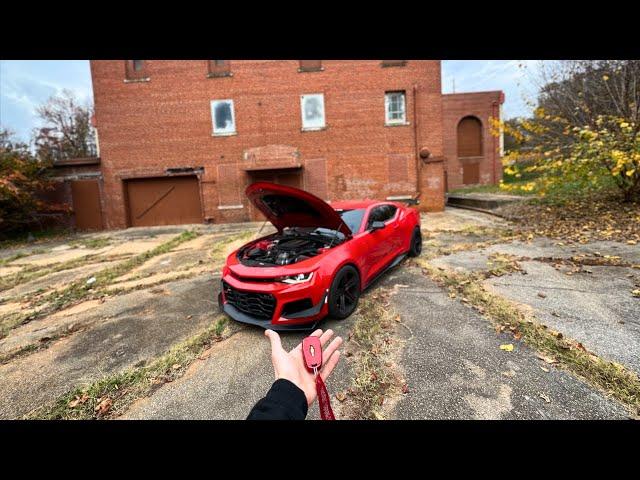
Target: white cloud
x=516, y=78
x=26, y=84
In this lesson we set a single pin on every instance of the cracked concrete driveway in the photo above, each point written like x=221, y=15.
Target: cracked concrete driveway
x=446, y=354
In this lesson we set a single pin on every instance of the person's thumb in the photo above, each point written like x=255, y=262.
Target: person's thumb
x=274, y=338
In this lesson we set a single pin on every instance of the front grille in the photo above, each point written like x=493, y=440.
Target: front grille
x=258, y=305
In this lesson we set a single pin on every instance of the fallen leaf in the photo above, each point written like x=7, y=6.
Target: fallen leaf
x=545, y=369
x=545, y=397
x=507, y=347
x=340, y=396
x=546, y=359
x=405, y=388
x=189, y=317
x=79, y=400
x=636, y=293
x=104, y=406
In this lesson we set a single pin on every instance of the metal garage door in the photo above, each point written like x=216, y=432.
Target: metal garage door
x=86, y=204
x=163, y=201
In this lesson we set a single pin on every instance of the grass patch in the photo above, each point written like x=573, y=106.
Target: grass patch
x=218, y=252
x=493, y=189
x=24, y=239
x=611, y=377
x=93, y=243
x=28, y=274
x=42, y=344
x=11, y=258
x=374, y=380
x=80, y=290
x=110, y=396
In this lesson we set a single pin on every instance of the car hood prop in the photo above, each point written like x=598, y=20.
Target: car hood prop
x=291, y=207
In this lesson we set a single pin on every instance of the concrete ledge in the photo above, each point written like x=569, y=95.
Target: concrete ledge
x=482, y=201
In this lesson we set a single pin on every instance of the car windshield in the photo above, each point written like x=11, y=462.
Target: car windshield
x=352, y=218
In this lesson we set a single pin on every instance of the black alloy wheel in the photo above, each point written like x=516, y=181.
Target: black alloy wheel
x=415, y=247
x=344, y=293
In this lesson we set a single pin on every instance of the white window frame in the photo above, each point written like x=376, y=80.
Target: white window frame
x=317, y=125
x=223, y=131
x=387, y=103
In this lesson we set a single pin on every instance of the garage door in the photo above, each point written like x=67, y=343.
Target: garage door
x=163, y=201
x=86, y=204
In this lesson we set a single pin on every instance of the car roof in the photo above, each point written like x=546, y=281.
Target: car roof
x=352, y=204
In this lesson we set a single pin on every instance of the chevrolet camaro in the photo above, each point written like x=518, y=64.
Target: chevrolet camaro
x=318, y=262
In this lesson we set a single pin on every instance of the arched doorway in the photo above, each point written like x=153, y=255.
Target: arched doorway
x=470, y=149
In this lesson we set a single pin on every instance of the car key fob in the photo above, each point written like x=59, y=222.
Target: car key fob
x=312, y=352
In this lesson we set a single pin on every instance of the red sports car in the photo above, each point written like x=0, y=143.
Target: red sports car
x=318, y=262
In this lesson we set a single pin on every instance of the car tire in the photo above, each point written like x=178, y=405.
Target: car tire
x=344, y=293
x=415, y=247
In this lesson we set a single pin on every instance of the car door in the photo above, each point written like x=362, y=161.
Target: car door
x=394, y=233
x=377, y=242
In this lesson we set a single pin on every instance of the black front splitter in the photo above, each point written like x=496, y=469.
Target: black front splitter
x=241, y=317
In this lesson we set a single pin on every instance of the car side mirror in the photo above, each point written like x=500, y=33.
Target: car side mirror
x=376, y=226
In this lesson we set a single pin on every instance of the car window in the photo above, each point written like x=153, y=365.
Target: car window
x=352, y=218
x=381, y=213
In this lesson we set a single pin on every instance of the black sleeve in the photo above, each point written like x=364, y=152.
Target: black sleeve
x=284, y=401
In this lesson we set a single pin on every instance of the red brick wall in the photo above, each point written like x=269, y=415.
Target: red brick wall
x=482, y=105
x=147, y=127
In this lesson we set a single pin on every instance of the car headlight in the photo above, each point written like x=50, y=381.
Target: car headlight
x=294, y=279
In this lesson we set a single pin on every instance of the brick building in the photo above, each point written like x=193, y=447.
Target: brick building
x=473, y=155
x=180, y=140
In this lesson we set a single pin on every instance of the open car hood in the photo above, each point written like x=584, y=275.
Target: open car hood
x=291, y=207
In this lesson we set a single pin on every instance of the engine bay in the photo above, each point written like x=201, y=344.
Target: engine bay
x=291, y=246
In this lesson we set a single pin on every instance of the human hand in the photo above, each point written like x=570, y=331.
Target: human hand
x=290, y=365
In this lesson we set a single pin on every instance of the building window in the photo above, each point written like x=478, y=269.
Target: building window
x=223, y=117
x=469, y=137
x=136, y=70
x=219, y=68
x=312, y=107
x=393, y=63
x=395, y=108
x=310, y=66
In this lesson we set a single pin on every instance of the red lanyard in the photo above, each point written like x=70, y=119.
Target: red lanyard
x=324, y=401
x=312, y=354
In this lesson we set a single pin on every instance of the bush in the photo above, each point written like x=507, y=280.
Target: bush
x=22, y=177
x=590, y=159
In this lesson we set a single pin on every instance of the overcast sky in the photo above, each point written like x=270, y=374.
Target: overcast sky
x=25, y=84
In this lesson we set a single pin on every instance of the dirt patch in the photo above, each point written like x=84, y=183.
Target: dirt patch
x=377, y=381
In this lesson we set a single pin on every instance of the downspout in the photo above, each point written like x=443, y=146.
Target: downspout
x=415, y=140
x=493, y=154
